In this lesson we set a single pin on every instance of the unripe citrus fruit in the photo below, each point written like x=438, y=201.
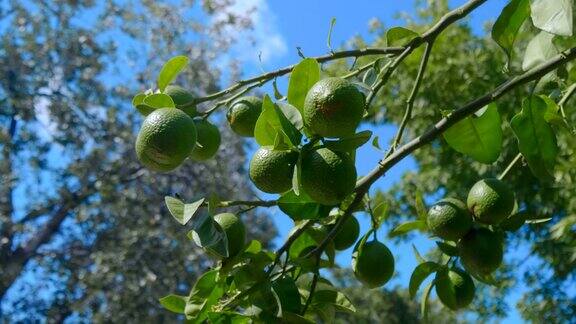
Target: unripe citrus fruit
x=235, y=232
x=333, y=108
x=327, y=176
x=490, y=201
x=373, y=264
x=181, y=96
x=243, y=115
x=272, y=171
x=207, y=142
x=166, y=138
x=454, y=288
x=348, y=234
x=449, y=219
x=481, y=250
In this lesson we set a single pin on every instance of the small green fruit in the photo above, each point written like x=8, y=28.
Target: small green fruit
x=207, y=142
x=272, y=171
x=235, y=232
x=449, y=219
x=481, y=251
x=454, y=288
x=243, y=114
x=348, y=234
x=373, y=264
x=490, y=201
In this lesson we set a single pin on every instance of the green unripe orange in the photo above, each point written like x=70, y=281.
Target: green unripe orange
x=235, y=232
x=449, y=219
x=243, y=114
x=165, y=139
x=327, y=176
x=181, y=96
x=333, y=108
x=207, y=141
x=272, y=171
x=454, y=288
x=348, y=234
x=481, y=250
x=490, y=201
x=373, y=264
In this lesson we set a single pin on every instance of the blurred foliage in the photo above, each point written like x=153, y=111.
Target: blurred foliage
x=83, y=230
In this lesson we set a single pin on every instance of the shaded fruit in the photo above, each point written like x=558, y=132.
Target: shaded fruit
x=454, y=288
x=207, y=140
x=272, y=171
x=165, y=139
x=181, y=96
x=333, y=108
x=235, y=232
x=243, y=114
x=490, y=201
x=327, y=176
x=348, y=234
x=449, y=219
x=373, y=265
x=481, y=250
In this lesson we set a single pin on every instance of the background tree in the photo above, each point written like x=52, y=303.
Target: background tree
x=82, y=229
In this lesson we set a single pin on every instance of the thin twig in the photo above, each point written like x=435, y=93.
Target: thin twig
x=247, y=203
x=412, y=96
x=284, y=248
x=312, y=286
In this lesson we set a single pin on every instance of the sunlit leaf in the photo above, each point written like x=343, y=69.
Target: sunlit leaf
x=553, y=16
x=420, y=273
x=303, y=77
x=170, y=70
x=508, y=24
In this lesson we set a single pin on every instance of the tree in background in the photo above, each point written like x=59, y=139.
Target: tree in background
x=81, y=230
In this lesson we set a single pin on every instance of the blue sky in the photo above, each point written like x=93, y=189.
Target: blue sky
x=281, y=26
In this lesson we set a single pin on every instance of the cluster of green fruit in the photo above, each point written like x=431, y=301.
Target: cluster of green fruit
x=169, y=135
x=472, y=225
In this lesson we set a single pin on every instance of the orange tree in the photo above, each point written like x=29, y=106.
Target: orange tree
x=308, y=140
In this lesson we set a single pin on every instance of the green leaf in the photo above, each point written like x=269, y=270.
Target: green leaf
x=380, y=213
x=553, y=16
x=174, y=303
x=213, y=203
x=138, y=99
x=180, y=211
x=287, y=292
x=228, y=318
x=208, y=234
x=204, y=285
x=289, y=317
x=277, y=94
x=420, y=206
x=424, y=301
x=419, y=257
x=303, y=77
x=400, y=36
x=292, y=114
x=329, y=40
x=538, y=221
x=407, y=227
x=508, y=24
x=297, y=175
x=273, y=127
x=349, y=143
x=447, y=248
x=300, y=207
x=539, y=49
x=478, y=137
x=170, y=70
x=551, y=115
x=420, y=273
x=145, y=110
x=159, y=100
x=335, y=298
x=536, y=139
x=376, y=143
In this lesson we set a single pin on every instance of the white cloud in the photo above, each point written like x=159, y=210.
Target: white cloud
x=263, y=39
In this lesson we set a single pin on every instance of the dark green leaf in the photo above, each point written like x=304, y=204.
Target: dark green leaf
x=508, y=24
x=174, y=303
x=292, y=318
x=349, y=143
x=424, y=301
x=287, y=292
x=300, y=207
x=159, y=100
x=553, y=16
x=513, y=222
x=420, y=273
x=478, y=137
x=145, y=110
x=447, y=248
x=539, y=50
x=399, y=36
x=170, y=70
x=407, y=227
x=303, y=77
x=208, y=234
x=536, y=138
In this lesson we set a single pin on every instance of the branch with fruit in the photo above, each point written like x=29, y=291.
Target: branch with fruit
x=307, y=155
